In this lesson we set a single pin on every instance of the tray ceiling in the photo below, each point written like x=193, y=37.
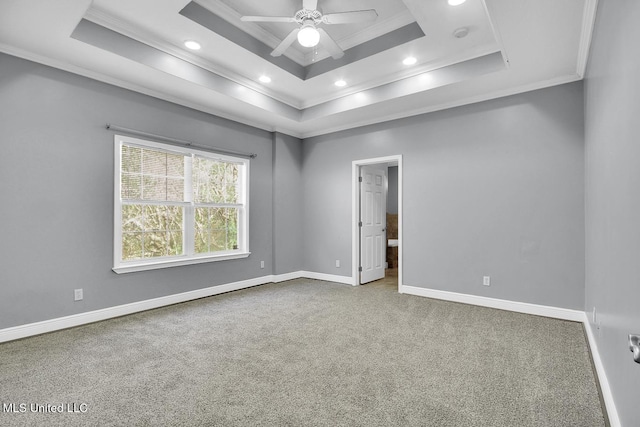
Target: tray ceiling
x=511, y=46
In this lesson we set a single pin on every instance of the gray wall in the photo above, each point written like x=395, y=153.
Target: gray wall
x=612, y=118
x=392, y=194
x=56, y=183
x=495, y=188
x=287, y=203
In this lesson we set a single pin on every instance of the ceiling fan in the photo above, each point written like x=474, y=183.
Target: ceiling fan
x=308, y=33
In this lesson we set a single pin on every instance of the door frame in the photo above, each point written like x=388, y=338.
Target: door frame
x=355, y=210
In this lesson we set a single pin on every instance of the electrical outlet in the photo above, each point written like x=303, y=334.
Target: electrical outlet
x=77, y=295
x=596, y=320
x=261, y=264
x=337, y=263
x=486, y=281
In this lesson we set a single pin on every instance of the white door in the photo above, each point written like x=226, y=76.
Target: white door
x=373, y=212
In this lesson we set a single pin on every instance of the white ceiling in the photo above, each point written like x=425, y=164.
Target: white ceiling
x=512, y=46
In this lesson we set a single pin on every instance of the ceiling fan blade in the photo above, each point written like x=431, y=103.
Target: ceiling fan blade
x=350, y=17
x=284, y=45
x=267, y=19
x=310, y=4
x=328, y=43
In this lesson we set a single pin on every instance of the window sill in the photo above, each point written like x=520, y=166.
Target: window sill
x=133, y=267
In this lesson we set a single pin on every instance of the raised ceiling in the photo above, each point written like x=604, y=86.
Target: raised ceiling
x=511, y=46
x=392, y=14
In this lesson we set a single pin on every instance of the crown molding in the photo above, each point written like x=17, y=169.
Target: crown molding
x=528, y=87
x=125, y=28
x=471, y=54
x=103, y=78
x=232, y=16
x=497, y=36
x=107, y=20
x=378, y=29
x=588, y=24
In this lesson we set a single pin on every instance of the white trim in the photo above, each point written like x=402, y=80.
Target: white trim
x=166, y=263
x=37, y=328
x=277, y=278
x=379, y=29
x=518, y=307
x=188, y=256
x=104, y=19
x=327, y=277
x=588, y=24
x=497, y=35
x=538, y=310
x=355, y=213
x=100, y=77
x=232, y=16
x=527, y=87
x=400, y=226
x=607, y=396
x=45, y=326
x=423, y=68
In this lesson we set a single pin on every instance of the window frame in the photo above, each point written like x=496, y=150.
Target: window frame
x=189, y=256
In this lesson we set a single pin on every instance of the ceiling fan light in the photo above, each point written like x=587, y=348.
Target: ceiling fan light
x=308, y=36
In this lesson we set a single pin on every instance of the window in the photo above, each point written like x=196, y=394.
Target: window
x=177, y=206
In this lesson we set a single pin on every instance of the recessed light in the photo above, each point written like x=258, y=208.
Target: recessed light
x=456, y=2
x=340, y=83
x=265, y=79
x=193, y=45
x=410, y=60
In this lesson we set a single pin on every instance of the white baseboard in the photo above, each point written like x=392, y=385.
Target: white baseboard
x=539, y=310
x=37, y=328
x=312, y=275
x=519, y=307
x=287, y=276
x=31, y=329
x=348, y=280
x=607, y=396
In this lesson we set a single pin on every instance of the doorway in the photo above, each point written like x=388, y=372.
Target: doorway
x=369, y=203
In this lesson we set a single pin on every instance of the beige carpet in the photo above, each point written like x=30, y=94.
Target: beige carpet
x=307, y=353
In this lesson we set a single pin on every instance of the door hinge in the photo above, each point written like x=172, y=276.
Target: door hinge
x=360, y=269
x=359, y=179
x=360, y=224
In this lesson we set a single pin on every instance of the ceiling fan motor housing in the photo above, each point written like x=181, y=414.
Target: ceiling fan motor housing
x=305, y=15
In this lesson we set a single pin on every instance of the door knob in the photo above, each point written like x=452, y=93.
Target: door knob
x=634, y=346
